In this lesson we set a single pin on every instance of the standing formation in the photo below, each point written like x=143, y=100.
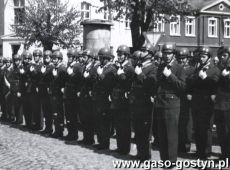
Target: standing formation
x=166, y=94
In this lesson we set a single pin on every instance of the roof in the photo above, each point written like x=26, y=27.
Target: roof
x=199, y=4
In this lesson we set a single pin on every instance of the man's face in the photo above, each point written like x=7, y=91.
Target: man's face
x=47, y=59
x=55, y=61
x=8, y=64
x=204, y=59
x=182, y=61
x=104, y=61
x=121, y=57
x=168, y=56
x=27, y=60
x=224, y=57
x=70, y=58
x=83, y=59
x=37, y=58
x=17, y=62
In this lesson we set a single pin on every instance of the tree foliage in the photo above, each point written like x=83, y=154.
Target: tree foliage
x=47, y=22
x=143, y=13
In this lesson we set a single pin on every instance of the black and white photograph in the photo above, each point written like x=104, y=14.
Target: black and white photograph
x=114, y=84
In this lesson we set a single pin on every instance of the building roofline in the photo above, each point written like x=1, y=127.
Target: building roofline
x=213, y=4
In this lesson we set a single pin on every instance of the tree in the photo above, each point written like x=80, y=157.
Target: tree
x=143, y=13
x=47, y=22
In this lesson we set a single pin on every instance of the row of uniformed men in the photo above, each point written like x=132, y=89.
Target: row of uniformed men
x=93, y=91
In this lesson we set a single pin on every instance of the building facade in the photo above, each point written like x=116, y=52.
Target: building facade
x=10, y=11
x=210, y=27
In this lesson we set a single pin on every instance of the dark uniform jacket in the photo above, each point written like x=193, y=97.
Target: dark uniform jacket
x=201, y=90
x=88, y=82
x=15, y=80
x=32, y=78
x=223, y=92
x=122, y=85
x=44, y=80
x=169, y=89
x=143, y=85
x=103, y=88
x=73, y=81
x=58, y=82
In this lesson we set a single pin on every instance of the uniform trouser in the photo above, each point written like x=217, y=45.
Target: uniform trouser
x=222, y=119
x=14, y=102
x=154, y=127
x=47, y=111
x=142, y=117
x=27, y=109
x=87, y=119
x=168, y=120
x=201, y=123
x=57, y=113
x=185, y=126
x=72, y=115
x=3, y=105
x=122, y=124
x=103, y=126
x=36, y=111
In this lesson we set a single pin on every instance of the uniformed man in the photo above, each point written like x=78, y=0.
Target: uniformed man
x=170, y=84
x=56, y=88
x=27, y=88
x=45, y=73
x=119, y=97
x=2, y=96
x=72, y=94
x=37, y=56
x=222, y=102
x=87, y=117
x=202, y=92
x=15, y=84
x=185, y=118
x=102, y=89
x=6, y=89
x=140, y=101
x=34, y=97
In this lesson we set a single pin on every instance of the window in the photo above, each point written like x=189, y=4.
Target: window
x=190, y=26
x=19, y=3
x=85, y=10
x=227, y=28
x=159, y=24
x=175, y=26
x=212, y=27
x=127, y=24
x=19, y=11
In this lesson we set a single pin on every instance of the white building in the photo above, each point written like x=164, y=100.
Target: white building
x=9, y=9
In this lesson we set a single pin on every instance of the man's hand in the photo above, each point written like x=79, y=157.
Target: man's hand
x=19, y=94
x=54, y=72
x=21, y=70
x=99, y=70
x=213, y=97
x=43, y=69
x=120, y=71
x=86, y=74
x=189, y=97
x=202, y=74
x=70, y=70
x=31, y=68
x=225, y=73
x=167, y=72
x=138, y=70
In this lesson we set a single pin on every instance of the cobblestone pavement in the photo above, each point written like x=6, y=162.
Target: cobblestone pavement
x=24, y=150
